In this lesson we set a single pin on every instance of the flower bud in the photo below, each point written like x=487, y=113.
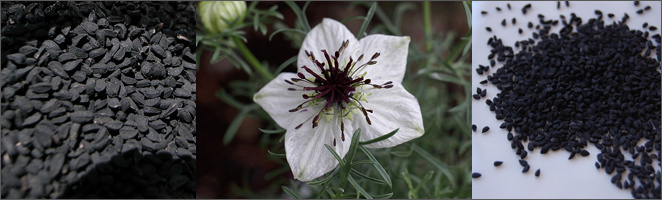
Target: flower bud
x=216, y=16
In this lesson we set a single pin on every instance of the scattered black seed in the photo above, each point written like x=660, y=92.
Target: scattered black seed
x=526, y=169
x=485, y=129
x=473, y=127
x=636, y=3
x=537, y=172
x=488, y=29
x=514, y=21
x=508, y=4
x=520, y=31
x=525, y=8
x=567, y=3
x=503, y=22
x=640, y=11
x=596, y=74
x=483, y=12
x=475, y=175
x=647, y=8
x=558, y=5
x=498, y=163
x=645, y=25
x=476, y=96
x=483, y=82
x=498, y=9
x=523, y=163
x=652, y=28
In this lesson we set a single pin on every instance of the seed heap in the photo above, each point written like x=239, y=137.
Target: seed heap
x=98, y=100
x=592, y=82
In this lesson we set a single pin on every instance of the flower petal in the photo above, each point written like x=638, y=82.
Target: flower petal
x=392, y=62
x=392, y=108
x=305, y=151
x=277, y=101
x=328, y=35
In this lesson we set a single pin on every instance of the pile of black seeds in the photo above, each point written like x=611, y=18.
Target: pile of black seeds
x=592, y=83
x=98, y=100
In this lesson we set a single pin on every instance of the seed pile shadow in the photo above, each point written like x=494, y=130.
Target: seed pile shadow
x=98, y=100
x=593, y=82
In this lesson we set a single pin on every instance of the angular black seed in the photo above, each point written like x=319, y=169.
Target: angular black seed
x=475, y=175
x=537, y=172
x=473, y=127
x=498, y=163
x=526, y=169
x=485, y=129
x=523, y=162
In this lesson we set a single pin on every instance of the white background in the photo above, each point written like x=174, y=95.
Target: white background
x=560, y=177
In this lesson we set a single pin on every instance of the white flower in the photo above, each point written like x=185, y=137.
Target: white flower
x=338, y=90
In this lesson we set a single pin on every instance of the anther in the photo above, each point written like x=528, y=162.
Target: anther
x=301, y=75
x=305, y=96
x=375, y=56
x=372, y=62
x=367, y=81
x=289, y=82
x=334, y=142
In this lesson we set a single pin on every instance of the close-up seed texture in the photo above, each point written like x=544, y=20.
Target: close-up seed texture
x=578, y=97
x=98, y=100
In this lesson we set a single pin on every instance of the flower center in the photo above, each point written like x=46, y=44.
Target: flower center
x=335, y=85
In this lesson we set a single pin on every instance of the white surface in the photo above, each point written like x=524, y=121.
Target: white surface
x=559, y=177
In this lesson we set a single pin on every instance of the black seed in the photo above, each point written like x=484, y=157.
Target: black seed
x=640, y=11
x=488, y=29
x=526, y=169
x=485, y=129
x=503, y=22
x=473, y=127
x=483, y=12
x=475, y=175
x=636, y=3
x=498, y=163
x=652, y=28
x=647, y=8
x=523, y=162
x=537, y=172
x=584, y=153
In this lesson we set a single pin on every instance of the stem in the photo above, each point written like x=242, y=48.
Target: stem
x=252, y=60
x=427, y=25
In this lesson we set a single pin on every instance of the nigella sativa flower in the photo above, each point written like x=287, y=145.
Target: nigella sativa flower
x=342, y=85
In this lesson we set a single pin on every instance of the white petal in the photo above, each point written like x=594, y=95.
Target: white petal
x=392, y=108
x=305, y=151
x=328, y=35
x=392, y=62
x=277, y=101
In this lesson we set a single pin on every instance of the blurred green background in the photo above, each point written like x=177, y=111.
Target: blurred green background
x=234, y=159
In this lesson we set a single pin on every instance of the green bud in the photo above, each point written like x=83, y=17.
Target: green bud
x=215, y=15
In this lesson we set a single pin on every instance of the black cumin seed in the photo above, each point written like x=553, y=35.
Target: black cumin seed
x=645, y=25
x=473, y=127
x=488, y=29
x=498, y=163
x=503, y=22
x=483, y=93
x=498, y=9
x=567, y=3
x=597, y=165
x=558, y=5
x=636, y=3
x=478, y=90
x=475, y=175
x=572, y=155
x=526, y=169
x=483, y=81
x=598, y=12
x=647, y=8
x=486, y=128
x=584, y=153
x=523, y=154
x=514, y=21
x=640, y=11
x=523, y=162
x=508, y=6
x=476, y=96
x=483, y=12
x=610, y=15
x=530, y=25
x=652, y=28
x=537, y=172
x=520, y=31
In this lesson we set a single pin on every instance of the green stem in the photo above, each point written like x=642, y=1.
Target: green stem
x=252, y=60
x=427, y=24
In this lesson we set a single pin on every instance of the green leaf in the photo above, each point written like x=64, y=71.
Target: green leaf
x=362, y=162
x=400, y=10
x=436, y=163
x=286, y=29
x=290, y=192
x=446, y=78
x=383, y=196
x=353, y=146
x=378, y=166
x=467, y=11
x=256, y=21
x=288, y=62
x=271, y=131
x=300, y=15
x=276, y=154
x=234, y=125
x=358, y=187
x=216, y=56
x=351, y=18
x=367, y=20
x=340, y=160
x=380, y=138
x=325, y=179
x=371, y=179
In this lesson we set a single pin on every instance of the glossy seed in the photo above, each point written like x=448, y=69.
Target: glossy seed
x=475, y=175
x=485, y=129
x=498, y=163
